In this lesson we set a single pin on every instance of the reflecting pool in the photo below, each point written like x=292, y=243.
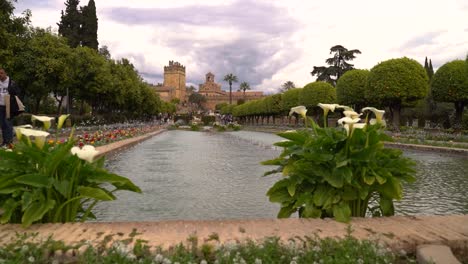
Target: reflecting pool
x=201, y=175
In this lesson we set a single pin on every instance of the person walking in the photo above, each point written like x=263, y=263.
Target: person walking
x=8, y=106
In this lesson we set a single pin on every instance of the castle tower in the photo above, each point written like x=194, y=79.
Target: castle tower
x=174, y=77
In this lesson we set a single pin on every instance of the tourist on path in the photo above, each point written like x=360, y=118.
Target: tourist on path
x=8, y=88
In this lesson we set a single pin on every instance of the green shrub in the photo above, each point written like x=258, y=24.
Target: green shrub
x=336, y=172
x=207, y=120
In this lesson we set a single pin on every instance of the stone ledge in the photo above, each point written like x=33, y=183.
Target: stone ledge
x=112, y=148
x=398, y=232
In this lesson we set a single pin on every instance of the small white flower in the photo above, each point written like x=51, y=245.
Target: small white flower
x=302, y=110
x=293, y=262
x=167, y=261
x=31, y=259
x=158, y=258
x=258, y=261
x=87, y=153
x=203, y=262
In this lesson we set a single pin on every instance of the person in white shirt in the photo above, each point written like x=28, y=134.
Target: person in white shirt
x=7, y=87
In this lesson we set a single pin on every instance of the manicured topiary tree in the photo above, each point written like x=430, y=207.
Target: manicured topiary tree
x=350, y=88
x=450, y=84
x=317, y=92
x=395, y=82
x=290, y=99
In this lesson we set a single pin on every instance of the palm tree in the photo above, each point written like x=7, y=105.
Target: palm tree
x=230, y=78
x=244, y=86
x=287, y=86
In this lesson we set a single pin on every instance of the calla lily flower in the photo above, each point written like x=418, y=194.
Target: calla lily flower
x=61, y=120
x=348, y=120
x=351, y=114
x=346, y=108
x=87, y=153
x=355, y=126
x=39, y=136
x=302, y=110
x=378, y=113
x=44, y=119
x=373, y=121
x=328, y=107
x=18, y=130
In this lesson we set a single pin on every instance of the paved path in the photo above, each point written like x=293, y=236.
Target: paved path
x=399, y=232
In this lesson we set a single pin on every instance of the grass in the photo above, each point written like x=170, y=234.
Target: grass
x=28, y=249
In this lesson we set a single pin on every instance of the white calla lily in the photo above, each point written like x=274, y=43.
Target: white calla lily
x=44, y=119
x=39, y=135
x=302, y=110
x=18, y=130
x=61, y=120
x=348, y=120
x=347, y=127
x=328, y=107
x=378, y=113
x=351, y=114
x=373, y=121
x=87, y=153
x=346, y=108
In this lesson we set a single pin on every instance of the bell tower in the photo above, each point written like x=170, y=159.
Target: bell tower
x=174, y=78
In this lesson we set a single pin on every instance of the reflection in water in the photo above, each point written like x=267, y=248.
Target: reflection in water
x=195, y=175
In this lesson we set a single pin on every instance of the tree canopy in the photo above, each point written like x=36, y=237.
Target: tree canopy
x=450, y=84
x=351, y=87
x=338, y=65
x=395, y=82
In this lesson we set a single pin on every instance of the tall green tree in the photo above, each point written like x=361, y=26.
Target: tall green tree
x=351, y=87
x=396, y=82
x=70, y=23
x=338, y=65
x=230, y=78
x=12, y=29
x=244, y=86
x=450, y=84
x=89, y=26
x=287, y=86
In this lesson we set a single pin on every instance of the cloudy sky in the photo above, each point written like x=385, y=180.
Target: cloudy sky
x=269, y=42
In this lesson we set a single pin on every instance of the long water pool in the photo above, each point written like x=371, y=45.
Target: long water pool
x=188, y=175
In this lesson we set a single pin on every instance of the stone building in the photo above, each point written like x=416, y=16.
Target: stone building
x=174, y=83
x=214, y=95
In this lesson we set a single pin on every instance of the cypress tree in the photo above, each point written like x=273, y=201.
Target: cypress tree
x=431, y=70
x=89, y=26
x=70, y=23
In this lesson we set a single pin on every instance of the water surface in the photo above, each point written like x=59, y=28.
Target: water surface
x=197, y=175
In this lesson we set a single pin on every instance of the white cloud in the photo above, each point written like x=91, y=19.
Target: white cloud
x=270, y=42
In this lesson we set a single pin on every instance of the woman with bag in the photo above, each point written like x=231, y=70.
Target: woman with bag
x=10, y=106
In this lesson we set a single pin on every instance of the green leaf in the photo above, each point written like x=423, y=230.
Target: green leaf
x=380, y=179
x=392, y=189
x=62, y=187
x=286, y=211
x=296, y=136
x=284, y=144
x=322, y=194
x=342, y=212
x=292, y=189
x=9, y=208
x=386, y=205
x=95, y=193
x=349, y=193
x=36, y=211
x=369, y=179
x=336, y=179
x=102, y=176
x=276, y=161
x=34, y=180
x=310, y=211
